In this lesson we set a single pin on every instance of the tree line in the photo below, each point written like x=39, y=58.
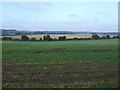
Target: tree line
x=61, y=38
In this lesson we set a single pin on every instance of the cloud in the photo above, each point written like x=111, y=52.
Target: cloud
x=48, y=4
x=33, y=6
x=96, y=18
x=74, y=17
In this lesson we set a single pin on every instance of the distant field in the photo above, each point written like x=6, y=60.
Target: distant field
x=57, y=35
x=60, y=64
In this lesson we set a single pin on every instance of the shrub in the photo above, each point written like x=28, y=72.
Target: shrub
x=87, y=38
x=103, y=37
x=107, y=36
x=7, y=38
x=62, y=38
x=33, y=39
x=24, y=38
x=69, y=39
x=80, y=38
x=55, y=39
x=40, y=39
x=75, y=38
x=47, y=38
x=95, y=36
x=118, y=36
x=17, y=39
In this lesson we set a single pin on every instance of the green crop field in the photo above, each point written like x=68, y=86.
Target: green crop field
x=60, y=64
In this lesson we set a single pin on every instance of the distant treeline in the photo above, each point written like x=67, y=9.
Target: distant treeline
x=15, y=32
x=10, y=32
x=61, y=38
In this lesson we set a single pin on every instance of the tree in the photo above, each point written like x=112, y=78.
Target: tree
x=107, y=36
x=118, y=36
x=81, y=39
x=16, y=39
x=114, y=37
x=75, y=38
x=62, y=38
x=47, y=38
x=7, y=38
x=54, y=39
x=86, y=38
x=33, y=39
x=69, y=39
x=18, y=33
x=95, y=36
x=103, y=37
x=40, y=39
x=24, y=38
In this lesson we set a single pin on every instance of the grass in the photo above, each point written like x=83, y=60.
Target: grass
x=99, y=51
x=84, y=58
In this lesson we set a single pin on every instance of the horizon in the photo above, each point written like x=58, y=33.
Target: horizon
x=60, y=16
x=62, y=31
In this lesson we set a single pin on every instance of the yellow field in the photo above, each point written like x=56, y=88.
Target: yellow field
x=57, y=35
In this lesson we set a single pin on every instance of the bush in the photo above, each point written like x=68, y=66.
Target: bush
x=7, y=38
x=103, y=37
x=55, y=39
x=95, y=36
x=40, y=39
x=107, y=36
x=75, y=38
x=47, y=38
x=86, y=38
x=80, y=38
x=62, y=38
x=24, y=38
x=69, y=39
x=118, y=36
x=17, y=39
x=33, y=39
x=114, y=37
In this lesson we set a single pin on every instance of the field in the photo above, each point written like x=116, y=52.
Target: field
x=60, y=64
x=58, y=35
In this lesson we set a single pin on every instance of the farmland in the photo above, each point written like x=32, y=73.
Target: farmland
x=60, y=64
x=58, y=35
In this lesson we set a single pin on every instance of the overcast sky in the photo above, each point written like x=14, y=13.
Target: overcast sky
x=56, y=16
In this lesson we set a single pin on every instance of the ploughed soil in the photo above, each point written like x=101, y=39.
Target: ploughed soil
x=74, y=75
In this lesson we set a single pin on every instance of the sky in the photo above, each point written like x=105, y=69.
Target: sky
x=60, y=16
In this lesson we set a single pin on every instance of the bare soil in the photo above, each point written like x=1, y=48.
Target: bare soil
x=63, y=75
